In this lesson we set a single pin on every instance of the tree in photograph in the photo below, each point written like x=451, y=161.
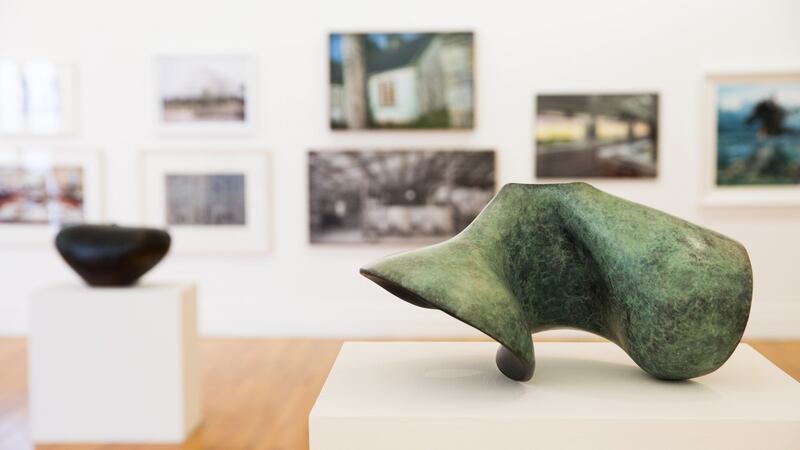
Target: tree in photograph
x=354, y=70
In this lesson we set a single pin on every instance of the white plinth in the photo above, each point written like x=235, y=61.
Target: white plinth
x=583, y=396
x=114, y=364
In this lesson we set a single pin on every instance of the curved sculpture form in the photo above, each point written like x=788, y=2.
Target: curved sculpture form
x=675, y=296
x=109, y=255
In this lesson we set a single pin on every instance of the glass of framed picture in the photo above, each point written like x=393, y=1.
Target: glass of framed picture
x=36, y=98
x=396, y=196
x=753, y=139
x=42, y=190
x=204, y=93
x=211, y=201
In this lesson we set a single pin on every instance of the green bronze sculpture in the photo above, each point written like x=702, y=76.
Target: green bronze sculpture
x=674, y=296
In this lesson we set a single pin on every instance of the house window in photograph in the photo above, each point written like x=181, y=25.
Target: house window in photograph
x=386, y=93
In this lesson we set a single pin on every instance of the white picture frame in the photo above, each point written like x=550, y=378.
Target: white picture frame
x=40, y=162
x=745, y=195
x=37, y=98
x=187, y=74
x=247, y=231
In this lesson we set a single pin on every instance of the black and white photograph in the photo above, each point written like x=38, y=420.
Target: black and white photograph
x=401, y=80
x=597, y=136
x=207, y=199
x=396, y=196
x=203, y=90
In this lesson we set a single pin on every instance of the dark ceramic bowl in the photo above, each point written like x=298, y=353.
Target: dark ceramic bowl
x=110, y=255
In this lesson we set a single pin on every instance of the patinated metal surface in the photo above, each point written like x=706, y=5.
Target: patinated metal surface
x=675, y=296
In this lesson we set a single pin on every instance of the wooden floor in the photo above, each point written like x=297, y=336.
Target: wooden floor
x=257, y=393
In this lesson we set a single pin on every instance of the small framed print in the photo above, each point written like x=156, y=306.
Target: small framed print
x=42, y=190
x=209, y=201
x=204, y=93
x=753, y=140
x=36, y=98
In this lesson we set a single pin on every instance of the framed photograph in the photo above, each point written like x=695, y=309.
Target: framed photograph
x=753, y=139
x=210, y=93
x=42, y=190
x=36, y=98
x=597, y=136
x=396, y=196
x=401, y=80
x=209, y=201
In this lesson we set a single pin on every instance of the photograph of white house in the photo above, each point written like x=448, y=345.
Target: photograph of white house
x=410, y=80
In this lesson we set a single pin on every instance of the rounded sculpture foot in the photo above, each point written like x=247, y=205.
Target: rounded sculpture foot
x=512, y=366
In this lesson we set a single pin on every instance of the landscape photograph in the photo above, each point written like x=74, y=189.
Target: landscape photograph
x=205, y=199
x=401, y=80
x=396, y=196
x=203, y=89
x=596, y=136
x=758, y=133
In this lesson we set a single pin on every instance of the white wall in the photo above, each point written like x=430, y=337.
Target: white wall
x=521, y=48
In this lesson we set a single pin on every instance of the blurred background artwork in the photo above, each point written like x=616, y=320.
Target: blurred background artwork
x=203, y=89
x=35, y=97
x=401, y=80
x=758, y=132
x=396, y=196
x=205, y=199
x=604, y=136
x=41, y=194
x=212, y=201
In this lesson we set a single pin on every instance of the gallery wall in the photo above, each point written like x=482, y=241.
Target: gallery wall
x=522, y=48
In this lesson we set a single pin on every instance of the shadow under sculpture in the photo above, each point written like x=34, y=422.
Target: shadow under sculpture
x=110, y=255
x=675, y=296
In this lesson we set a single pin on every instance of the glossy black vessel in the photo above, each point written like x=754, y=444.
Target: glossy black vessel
x=110, y=255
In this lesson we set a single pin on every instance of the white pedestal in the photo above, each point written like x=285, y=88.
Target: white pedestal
x=583, y=396
x=114, y=364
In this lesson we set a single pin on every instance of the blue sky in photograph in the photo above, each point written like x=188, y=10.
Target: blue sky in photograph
x=735, y=97
x=336, y=47
x=381, y=40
